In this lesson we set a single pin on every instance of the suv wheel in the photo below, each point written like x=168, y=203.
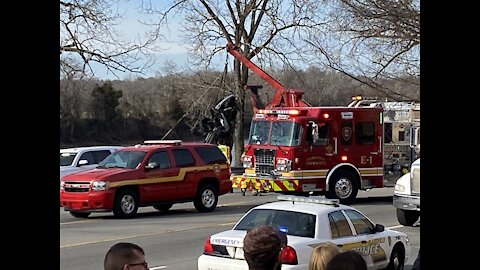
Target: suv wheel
x=206, y=199
x=126, y=204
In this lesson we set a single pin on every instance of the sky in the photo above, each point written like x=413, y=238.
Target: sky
x=173, y=48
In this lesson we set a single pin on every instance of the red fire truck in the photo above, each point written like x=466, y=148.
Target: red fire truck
x=294, y=148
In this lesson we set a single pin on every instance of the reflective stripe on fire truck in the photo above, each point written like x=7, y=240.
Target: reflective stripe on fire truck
x=179, y=177
x=264, y=185
x=377, y=171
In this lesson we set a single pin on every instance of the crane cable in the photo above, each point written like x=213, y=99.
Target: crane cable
x=199, y=98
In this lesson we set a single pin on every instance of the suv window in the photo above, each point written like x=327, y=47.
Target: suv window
x=211, y=154
x=100, y=155
x=183, y=158
x=161, y=159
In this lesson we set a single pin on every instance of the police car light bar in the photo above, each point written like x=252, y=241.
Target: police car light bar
x=163, y=142
x=318, y=200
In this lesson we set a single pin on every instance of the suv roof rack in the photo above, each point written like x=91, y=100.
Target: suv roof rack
x=175, y=142
x=314, y=199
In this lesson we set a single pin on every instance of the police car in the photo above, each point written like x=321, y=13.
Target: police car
x=308, y=221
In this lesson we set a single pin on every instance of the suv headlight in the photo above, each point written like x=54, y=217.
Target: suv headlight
x=99, y=185
x=62, y=185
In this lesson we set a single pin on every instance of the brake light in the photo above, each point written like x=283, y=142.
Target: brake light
x=207, y=247
x=289, y=255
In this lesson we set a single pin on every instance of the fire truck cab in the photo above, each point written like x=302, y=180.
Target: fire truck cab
x=318, y=150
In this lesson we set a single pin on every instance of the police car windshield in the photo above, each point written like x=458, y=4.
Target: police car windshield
x=123, y=159
x=281, y=133
x=293, y=223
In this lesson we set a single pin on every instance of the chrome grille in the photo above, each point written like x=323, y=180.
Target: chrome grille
x=264, y=161
x=415, y=180
x=76, y=186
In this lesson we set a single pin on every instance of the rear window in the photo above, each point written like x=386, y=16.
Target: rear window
x=211, y=154
x=294, y=223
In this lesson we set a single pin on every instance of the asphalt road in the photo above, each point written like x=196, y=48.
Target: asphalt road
x=174, y=239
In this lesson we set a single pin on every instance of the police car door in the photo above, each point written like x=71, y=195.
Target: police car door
x=344, y=236
x=369, y=242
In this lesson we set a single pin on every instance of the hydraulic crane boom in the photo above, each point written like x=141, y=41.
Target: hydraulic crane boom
x=282, y=97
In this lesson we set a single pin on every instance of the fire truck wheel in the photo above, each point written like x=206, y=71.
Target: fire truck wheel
x=80, y=214
x=126, y=204
x=343, y=186
x=206, y=199
x=407, y=218
x=163, y=207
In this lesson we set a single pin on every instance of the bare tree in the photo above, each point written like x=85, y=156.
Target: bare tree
x=88, y=34
x=257, y=27
x=373, y=42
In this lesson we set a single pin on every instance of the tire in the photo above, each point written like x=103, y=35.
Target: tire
x=397, y=258
x=407, y=218
x=126, y=204
x=206, y=199
x=343, y=186
x=163, y=207
x=80, y=214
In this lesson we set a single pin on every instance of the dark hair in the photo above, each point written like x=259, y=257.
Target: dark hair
x=348, y=260
x=261, y=247
x=120, y=254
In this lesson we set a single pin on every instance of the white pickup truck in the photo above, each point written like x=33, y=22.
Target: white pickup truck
x=83, y=158
x=406, y=196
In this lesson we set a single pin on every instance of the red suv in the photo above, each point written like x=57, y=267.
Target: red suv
x=156, y=173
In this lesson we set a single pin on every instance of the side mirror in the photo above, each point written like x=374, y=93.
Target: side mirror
x=312, y=132
x=82, y=162
x=379, y=228
x=151, y=165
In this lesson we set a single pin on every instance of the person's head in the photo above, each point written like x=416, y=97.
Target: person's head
x=322, y=254
x=125, y=256
x=348, y=260
x=262, y=248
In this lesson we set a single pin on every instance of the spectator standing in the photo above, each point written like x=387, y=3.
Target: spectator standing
x=321, y=255
x=125, y=256
x=262, y=248
x=347, y=260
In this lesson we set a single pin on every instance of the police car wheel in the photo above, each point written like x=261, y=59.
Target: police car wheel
x=163, y=207
x=397, y=258
x=80, y=214
x=206, y=199
x=343, y=186
x=125, y=204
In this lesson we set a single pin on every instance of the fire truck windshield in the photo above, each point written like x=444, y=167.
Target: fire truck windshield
x=282, y=133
